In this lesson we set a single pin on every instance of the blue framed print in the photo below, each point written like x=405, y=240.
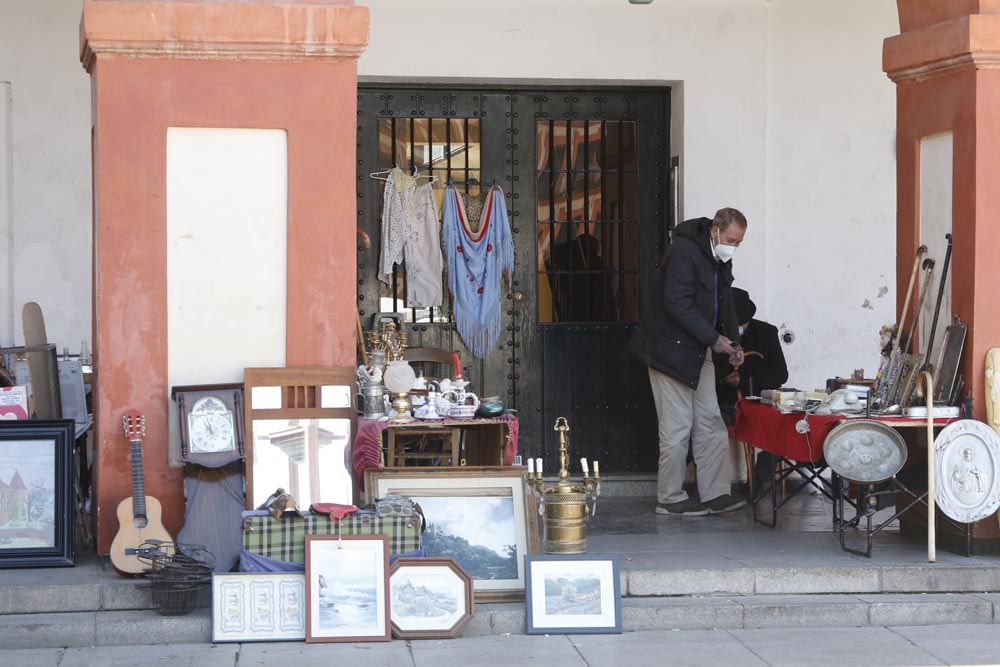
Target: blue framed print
x=578, y=594
x=36, y=493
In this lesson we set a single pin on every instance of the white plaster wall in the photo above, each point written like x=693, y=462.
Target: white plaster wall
x=830, y=183
x=716, y=47
x=787, y=116
x=6, y=213
x=51, y=197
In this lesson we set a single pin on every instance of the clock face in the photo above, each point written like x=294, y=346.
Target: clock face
x=210, y=427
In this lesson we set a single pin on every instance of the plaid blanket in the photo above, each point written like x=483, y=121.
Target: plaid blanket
x=285, y=539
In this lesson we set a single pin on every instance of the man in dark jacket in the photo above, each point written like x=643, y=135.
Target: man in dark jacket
x=763, y=368
x=689, y=315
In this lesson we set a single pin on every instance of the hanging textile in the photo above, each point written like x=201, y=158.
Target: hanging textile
x=410, y=232
x=478, y=258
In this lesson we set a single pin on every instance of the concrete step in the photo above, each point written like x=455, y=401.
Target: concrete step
x=770, y=611
x=108, y=595
x=103, y=628
x=135, y=627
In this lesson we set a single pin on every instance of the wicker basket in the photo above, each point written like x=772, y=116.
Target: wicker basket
x=176, y=573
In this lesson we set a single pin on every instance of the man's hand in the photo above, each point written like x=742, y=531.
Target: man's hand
x=733, y=379
x=737, y=358
x=723, y=345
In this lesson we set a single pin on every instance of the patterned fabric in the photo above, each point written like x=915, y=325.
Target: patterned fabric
x=478, y=260
x=285, y=539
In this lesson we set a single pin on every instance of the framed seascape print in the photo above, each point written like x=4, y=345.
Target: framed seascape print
x=36, y=520
x=347, y=588
x=573, y=595
x=483, y=517
x=257, y=607
x=429, y=598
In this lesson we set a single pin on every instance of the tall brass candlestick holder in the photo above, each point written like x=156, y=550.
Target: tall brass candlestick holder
x=565, y=505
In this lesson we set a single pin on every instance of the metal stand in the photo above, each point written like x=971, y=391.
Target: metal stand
x=868, y=498
x=812, y=476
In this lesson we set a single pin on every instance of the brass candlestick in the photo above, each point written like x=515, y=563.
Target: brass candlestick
x=565, y=504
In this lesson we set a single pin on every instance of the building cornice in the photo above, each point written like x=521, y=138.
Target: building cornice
x=222, y=30
x=966, y=43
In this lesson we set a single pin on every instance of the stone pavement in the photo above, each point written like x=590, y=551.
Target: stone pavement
x=875, y=647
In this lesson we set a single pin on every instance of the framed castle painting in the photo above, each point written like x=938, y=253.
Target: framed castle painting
x=36, y=486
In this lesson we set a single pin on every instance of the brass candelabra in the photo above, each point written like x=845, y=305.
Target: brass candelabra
x=566, y=504
x=389, y=340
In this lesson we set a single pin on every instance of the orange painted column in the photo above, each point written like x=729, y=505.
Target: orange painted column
x=278, y=65
x=946, y=64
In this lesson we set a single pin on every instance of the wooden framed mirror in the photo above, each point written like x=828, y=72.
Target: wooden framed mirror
x=299, y=422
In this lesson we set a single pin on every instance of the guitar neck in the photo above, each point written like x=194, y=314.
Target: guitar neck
x=138, y=483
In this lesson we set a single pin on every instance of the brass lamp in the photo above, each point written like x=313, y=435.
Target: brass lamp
x=399, y=378
x=566, y=504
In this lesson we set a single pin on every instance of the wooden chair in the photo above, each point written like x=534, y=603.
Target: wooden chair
x=422, y=357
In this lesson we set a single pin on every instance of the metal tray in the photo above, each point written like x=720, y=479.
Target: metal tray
x=864, y=451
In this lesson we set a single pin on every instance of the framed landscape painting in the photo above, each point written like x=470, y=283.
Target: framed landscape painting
x=482, y=517
x=36, y=505
x=430, y=598
x=576, y=594
x=347, y=588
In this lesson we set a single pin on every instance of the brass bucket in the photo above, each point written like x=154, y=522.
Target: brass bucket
x=565, y=523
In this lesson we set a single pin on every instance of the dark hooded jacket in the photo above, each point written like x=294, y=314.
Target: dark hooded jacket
x=690, y=305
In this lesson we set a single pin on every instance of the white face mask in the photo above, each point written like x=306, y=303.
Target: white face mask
x=741, y=328
x=723, y=252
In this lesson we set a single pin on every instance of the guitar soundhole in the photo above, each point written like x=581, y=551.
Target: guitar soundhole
x=139, y=521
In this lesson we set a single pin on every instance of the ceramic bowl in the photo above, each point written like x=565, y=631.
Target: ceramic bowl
x=491, y=407
x=462, y=412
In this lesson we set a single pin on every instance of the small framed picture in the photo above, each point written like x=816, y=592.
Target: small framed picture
x=347, y=588
x=430, y=598
x=257, y=607
x=36, y=493
x=573, y=594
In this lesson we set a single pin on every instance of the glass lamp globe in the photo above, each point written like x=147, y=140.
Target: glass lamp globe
x=398, y=379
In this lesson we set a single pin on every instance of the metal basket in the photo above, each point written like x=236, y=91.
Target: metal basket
x=176, y=573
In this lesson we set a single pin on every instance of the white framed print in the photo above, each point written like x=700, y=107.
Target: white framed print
x=576, y=594
x=258, y=607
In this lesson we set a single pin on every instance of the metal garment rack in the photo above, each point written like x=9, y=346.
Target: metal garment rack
x=868, y=500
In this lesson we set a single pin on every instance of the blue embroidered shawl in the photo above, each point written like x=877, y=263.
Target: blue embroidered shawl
x=476, y=264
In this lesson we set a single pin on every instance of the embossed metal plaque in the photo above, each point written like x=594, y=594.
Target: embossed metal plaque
x=864, y=451
x=966, y=460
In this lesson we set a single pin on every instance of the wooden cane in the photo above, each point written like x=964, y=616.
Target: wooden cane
x=921, y=251
x=931, y=486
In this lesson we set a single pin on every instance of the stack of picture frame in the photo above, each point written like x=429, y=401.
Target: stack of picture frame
x=481, y=541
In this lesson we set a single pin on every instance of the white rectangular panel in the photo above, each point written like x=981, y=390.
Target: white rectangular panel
x=936, y=183
x=6, y=216
x=227, y=222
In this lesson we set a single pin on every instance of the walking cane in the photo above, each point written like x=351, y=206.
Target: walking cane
x=937, y=307
x=931, y=486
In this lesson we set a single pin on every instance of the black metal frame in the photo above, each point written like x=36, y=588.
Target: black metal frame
x=60, y=434
x=868, y=498
x=811, y=476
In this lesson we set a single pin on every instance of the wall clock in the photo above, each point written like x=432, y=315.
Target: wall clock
x=211, y=421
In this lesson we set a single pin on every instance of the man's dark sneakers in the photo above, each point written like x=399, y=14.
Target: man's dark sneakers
x=726, y=503
x=683, y=508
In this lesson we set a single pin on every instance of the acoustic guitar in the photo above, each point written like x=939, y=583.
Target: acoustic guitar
x=139, y=517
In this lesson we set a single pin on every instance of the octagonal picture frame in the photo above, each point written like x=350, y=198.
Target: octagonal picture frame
x=429, y=598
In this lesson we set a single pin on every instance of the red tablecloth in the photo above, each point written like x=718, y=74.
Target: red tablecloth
x=366, y=450
x=766, y=428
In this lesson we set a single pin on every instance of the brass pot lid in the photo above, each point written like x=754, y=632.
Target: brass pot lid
x=864, y=451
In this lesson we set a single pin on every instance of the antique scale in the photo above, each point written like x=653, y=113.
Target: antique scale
x=564, y=505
